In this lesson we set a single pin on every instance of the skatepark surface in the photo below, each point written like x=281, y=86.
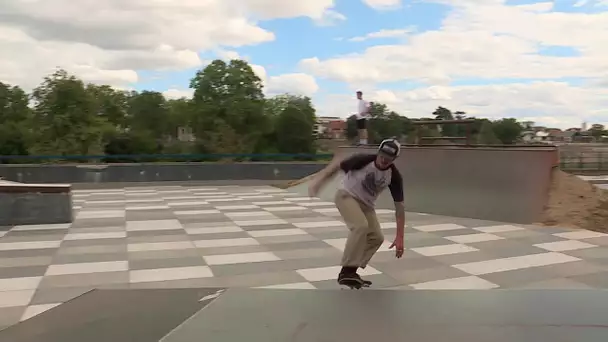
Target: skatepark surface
x=258, y=263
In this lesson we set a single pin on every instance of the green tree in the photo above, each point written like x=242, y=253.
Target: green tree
x=448, y=130
x=507, y=130
x=486, y=134
x=295, y=130
x=66, y=117
x=15, y=125
x=228, y=97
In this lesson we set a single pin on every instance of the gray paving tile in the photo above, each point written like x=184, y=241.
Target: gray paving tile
x=57, y=295
x=268, y=227
x=518, y=277
x=598, y=254
x=461, y=258
x=269, y=240
x=103, y=222
x=559, y=283
x=599, y=241
x=506, y=248
x=142, y=233
x=273, y=266
x=164, y=254
x=10, y=315
x=36, y=234
x=89, y=230
x=144, y=215
x=185, y=219
x=26, y=238
x=143, y=264
x=216, y=236
x=24, y=253
x=97, y=280
x=319, y=218
x=93, y=242
x=89, y=257
x=23, y=271
x=384, y=256
x=232, y=250
x=26, y=261
x=307, y=253
x=417, y=243
x=103, y=206
x=595, y=280
x=574, y=268
x=530, y=236
x=295, y=214
x=103, y=249
x=300, y=245
x=159, y=238
x=323, y=235
x=455, y=232
x=413, y=276
x=405, y=264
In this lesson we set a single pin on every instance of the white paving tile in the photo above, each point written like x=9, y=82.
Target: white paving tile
x=499, y=229
x=16, y=284
x=255, y=197
x=41, y=227
x=250, y=214
x=13, y=246
x=560, y=246
x=272, y=203
x=159, y=246
x=270, y=190
x=153, y=225
x=331, y=273
x=291, y=286
x=463, y=283
x=439, y=227
x=15, y=298
x=174, y=273
x=319, y=224
x=196, y=212
x=144, y=200
x=236, y=207
x=249, y=223
x=444, y=249
x=240, y=258
x=340, y=243
x=215, y=200
x=277, y=232
x=97, y=214
x=34, y=310
x=285, y=208
x=327, y=211
x=211, y=194
x=316, y=204
x=580, y=234
x=384, y=211
x=226, y=242
x=514, y=263
x=149, y=207
x=471, y=238
x=298, y=199
x=87, y=267
x=214, y=230
x=95, y=236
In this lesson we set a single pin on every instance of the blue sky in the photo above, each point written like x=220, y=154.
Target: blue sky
x=301, y=38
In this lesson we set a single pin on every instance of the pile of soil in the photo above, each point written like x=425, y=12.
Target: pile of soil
x=575, y=203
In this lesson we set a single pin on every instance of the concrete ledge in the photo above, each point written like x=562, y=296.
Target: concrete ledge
x=24, y=204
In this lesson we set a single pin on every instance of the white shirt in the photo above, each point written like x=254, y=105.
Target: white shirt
x=362, y=108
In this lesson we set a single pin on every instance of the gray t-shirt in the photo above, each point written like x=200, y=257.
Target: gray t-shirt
x=365, y=181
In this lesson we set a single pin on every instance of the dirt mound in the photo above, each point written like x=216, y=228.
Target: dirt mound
x=575, y=203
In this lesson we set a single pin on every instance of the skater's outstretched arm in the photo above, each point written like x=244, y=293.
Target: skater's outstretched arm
x=354, y=162
x=396, y=189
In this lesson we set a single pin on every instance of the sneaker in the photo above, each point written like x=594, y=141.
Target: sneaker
x=350, y=278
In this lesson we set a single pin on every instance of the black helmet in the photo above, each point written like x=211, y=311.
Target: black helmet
x=390, y=148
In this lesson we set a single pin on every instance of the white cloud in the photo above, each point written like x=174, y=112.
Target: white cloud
x=107, y=41
x=174, y=93
x=487, y=40
x=383, y=4
x=395, y=33
x=295, y=83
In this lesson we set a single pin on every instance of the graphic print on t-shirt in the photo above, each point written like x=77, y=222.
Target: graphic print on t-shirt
x=373, y=185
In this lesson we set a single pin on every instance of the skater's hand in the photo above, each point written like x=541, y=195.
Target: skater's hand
x=398, y=244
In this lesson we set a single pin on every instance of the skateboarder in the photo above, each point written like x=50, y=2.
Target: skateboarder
x=362, y=115
x=366, y=176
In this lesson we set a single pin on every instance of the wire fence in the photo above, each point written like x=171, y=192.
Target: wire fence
x=583, y=160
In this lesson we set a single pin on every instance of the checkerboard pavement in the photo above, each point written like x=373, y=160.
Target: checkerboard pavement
x=261, y=236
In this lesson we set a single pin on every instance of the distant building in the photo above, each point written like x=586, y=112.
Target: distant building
x=330, y=127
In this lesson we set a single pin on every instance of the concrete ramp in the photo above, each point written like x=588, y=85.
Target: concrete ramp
x=497, y=184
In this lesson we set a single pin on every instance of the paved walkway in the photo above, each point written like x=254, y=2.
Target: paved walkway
x=261, y=236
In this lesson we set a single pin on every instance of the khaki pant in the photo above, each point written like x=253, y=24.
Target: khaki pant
x=365, y=235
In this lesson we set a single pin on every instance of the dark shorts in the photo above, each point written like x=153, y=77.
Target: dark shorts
x=361, y=123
